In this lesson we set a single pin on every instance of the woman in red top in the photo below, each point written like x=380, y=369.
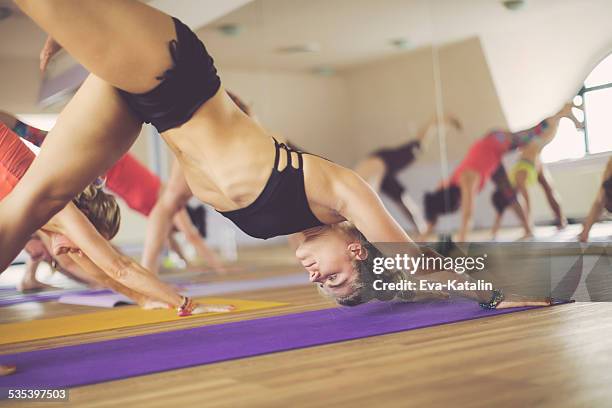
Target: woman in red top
x=480, y=162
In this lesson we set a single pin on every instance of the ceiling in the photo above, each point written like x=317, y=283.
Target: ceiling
x=350, y=32
x=347, y=31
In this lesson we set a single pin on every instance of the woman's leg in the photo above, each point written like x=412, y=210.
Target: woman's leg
x=184, y=225
x=468, y=183
x=124, y=42
x=520, y=213
x=173, y=199
x=176, y=248
x=496, y=224
x=552, y=197
x=521, y=187
x=429, y=230
x=411, y=211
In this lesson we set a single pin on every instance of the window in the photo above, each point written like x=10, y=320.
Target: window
x=597, y=136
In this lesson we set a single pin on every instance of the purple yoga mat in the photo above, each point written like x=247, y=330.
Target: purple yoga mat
x=115, y=359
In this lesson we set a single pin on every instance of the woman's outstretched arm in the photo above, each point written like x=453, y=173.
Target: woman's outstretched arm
x=101, y=278
x=358, y=203
x=73, y=224
x=94, y=130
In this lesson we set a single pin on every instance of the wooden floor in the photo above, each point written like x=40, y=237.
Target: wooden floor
x=554, y=357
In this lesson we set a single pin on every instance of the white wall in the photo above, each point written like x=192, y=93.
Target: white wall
x=392, y=98
x=19, y=84
x=310, y=110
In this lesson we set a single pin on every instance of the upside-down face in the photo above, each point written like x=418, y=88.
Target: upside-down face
x=329, y=258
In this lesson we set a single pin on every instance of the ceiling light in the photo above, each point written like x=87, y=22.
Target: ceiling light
x=400, y=43
x=324, y=71
x=230, y=30
x=513, y=4
x=300, y=48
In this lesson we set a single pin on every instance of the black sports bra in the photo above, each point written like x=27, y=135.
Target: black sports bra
x=282, y=207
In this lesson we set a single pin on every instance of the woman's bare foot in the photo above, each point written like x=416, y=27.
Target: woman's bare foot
x=561, y=224
x=528, y=236
x=7, y=369
x=522, y=301
x=154, y=304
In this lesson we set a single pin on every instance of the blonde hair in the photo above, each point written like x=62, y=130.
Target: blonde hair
x=100, y=208
x=363, y=290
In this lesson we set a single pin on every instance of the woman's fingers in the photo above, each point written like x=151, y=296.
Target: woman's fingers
x=213, y=309
x=507, y=304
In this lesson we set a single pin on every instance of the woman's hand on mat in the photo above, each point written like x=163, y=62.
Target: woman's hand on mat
x=522, y=301
x=422, y=296
x=150, y=304
x=203, y=308
x=49, y=50
x=583, y=236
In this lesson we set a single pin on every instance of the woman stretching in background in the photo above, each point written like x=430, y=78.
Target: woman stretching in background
x=381, y=168
x=530, y=169
x=483, y=158
x=71, y=231
x=140, y=188
x=603, y=200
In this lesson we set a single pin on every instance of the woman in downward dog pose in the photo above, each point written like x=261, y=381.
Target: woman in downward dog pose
x=480, y=162
x=381, y=170
x=530, y=169
x=602, y=201
x=147, y=66
x=71, y=231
